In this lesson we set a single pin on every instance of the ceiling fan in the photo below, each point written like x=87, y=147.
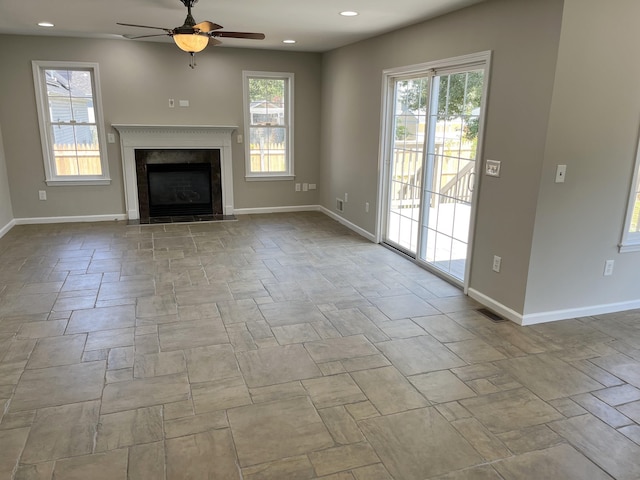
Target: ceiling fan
x=194, y=37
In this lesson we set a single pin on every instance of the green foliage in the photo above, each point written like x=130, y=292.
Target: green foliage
x=266, y=89
x=459, y=94
x=401, y=132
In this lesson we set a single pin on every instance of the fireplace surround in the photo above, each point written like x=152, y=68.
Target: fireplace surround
x=166, y=137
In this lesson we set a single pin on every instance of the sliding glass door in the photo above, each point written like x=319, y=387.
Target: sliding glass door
x=407, y=160
x=432, y=141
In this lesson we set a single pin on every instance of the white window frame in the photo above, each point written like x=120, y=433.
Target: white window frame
x=42, y=105
x=631, y=240
x=289, y=93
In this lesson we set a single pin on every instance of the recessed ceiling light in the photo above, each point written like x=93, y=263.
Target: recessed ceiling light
x=288, y=41
x=348, y=14
x=45, y=24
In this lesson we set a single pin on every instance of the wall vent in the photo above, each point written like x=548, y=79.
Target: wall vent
x=339, y=204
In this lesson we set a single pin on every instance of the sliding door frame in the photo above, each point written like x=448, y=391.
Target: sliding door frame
x=475, y=61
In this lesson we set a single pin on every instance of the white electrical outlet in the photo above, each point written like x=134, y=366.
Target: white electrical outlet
x=339, y=204
x=172, y=103
x=239, y=138
x=183, y=103
x=561, y=172
x=312, y=186
x=305, y=187
x=42, y=194
x=366, y=207
x=111, y=138
x=608, y=268
x=297, y=187
x=497, y=263
x=346, y=197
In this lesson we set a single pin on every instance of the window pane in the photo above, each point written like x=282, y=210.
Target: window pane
x=268, y=149
x=76, y=150
x=83, y=110
x=57, y=83
x=267, y=101
x=80, y=84
x=60, y=109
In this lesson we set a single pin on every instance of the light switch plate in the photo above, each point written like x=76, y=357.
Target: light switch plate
x=492, y=168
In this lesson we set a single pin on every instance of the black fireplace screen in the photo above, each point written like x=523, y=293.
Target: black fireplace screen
x=179, y=189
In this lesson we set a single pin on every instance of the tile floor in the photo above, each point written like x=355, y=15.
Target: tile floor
x=286, y=347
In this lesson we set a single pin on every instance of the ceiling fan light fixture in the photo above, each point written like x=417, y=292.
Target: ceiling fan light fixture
x=192, y=43
x=45, y=24
x=349, y=13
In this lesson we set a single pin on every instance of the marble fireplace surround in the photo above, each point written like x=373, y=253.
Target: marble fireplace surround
x=212, y=137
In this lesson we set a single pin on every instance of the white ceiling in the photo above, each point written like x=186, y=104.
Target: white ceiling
x=315, y=25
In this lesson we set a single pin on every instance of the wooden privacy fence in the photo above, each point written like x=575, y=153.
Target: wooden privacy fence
x=77, y=159
x=268, y=157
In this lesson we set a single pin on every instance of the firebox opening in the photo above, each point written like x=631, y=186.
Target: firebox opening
x=179, y=189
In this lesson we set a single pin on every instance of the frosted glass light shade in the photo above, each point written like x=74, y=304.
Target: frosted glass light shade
x=191, y=43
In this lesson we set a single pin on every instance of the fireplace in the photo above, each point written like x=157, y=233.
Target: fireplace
x=178, y=185
x=207, y=143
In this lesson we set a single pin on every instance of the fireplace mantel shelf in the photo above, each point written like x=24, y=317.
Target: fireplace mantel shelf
x=136, y=136
x=140, y=126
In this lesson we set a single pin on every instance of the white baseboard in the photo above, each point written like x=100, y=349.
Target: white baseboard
x=497, y=307
x=552, y=315
x=351, y=226
x=4, y=230
x=290, y=209
x=72, y=219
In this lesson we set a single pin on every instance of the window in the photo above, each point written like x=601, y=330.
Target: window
x=268, y=110
x=70, y=117
x=631, y=235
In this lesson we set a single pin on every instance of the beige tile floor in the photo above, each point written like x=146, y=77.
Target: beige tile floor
x=286, y=347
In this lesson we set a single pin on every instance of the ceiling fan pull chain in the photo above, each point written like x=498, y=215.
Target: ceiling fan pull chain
x=192, y=62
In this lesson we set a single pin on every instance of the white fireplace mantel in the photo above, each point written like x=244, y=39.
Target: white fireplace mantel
x=134, y=137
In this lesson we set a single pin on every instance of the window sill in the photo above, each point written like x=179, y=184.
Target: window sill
x=268, y=178
x=629, y=247
x=79, y=182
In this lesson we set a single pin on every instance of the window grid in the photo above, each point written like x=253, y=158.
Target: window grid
x=69, y=114
x=268, y=122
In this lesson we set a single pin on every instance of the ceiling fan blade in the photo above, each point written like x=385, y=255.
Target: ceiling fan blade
x=252, y=36
x=207, y=26
x=135, y=37
x=213, y=42
x=168, y=30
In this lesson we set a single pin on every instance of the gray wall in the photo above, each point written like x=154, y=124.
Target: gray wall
x=593, y=129
x=524, y=38
x=6, y=209
x=137, y=80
